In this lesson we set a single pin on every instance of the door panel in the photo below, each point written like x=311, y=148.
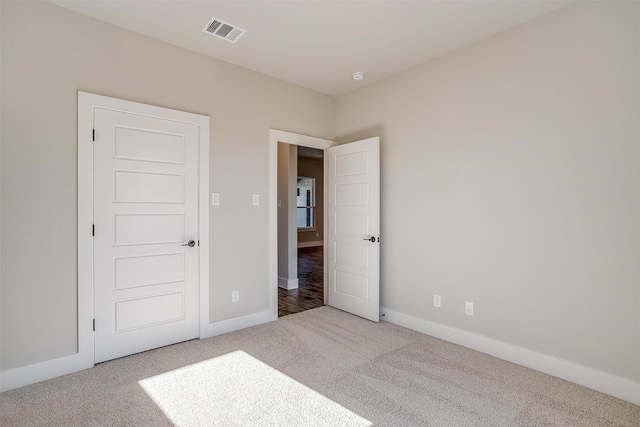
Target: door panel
x=353, y=163
x=136, y=271
x=147, y=187
x=157, y=308
x=354, y=285
x=353, y=194
x=145, y=209
x=352, y=224
x=148, y=145
x=354, y=217
x=140, y=229
x=353, y=255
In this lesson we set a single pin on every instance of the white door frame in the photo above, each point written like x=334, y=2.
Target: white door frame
x=87, y=103
x=276, y=136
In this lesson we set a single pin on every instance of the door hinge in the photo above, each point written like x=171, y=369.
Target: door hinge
x=93, y=136
x=93, y=230
x=94, y=325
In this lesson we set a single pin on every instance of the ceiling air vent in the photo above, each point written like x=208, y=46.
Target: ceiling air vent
x=224, y=30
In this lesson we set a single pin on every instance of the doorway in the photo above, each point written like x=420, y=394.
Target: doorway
x=302, y=282
x=351, y=232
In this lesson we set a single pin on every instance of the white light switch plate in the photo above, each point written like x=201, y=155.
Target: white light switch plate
x=215, y=199
x=256, y=200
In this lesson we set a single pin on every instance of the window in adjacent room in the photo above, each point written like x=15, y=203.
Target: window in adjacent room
x=306, y=203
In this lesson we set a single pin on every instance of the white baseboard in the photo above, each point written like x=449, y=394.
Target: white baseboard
x=237, y=323
x=310, y=244
x=287, y=284
x=597, y=380
x=42, y=371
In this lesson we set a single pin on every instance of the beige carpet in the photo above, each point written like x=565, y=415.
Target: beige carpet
x=237, y=389
x=383, y=373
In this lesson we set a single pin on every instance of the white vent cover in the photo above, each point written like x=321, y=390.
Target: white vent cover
x=219, y=28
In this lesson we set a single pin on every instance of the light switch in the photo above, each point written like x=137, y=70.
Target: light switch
x=256, y=200
x=215, y=199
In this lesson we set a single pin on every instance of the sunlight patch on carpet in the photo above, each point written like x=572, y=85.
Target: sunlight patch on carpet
x=239, y=390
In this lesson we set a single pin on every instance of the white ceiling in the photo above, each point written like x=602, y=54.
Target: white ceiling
x=319, y=44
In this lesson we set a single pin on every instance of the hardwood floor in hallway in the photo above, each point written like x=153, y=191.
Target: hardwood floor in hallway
x=310, y=292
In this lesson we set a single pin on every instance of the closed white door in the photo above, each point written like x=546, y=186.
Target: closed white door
x=145, y=213
x=353, y=246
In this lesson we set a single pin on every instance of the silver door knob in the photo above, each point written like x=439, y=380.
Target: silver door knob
x=190, y=243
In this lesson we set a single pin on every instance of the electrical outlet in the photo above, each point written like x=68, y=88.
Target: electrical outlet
x=437, y=301
x=235, y=296
x=468, y=308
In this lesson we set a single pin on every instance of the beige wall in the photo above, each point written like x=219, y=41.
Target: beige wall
x=48, y=55
x=313, y=168
x=510, y=178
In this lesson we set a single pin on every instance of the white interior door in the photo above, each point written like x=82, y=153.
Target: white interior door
x=145, y=211
x=353, y=243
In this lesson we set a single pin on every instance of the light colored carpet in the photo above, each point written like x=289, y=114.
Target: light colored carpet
x=381, y=372
x=237, y=389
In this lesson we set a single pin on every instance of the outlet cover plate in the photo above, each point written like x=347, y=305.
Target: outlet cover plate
x=468, y=308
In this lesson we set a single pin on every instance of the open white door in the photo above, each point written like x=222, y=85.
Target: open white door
x=353, y=238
